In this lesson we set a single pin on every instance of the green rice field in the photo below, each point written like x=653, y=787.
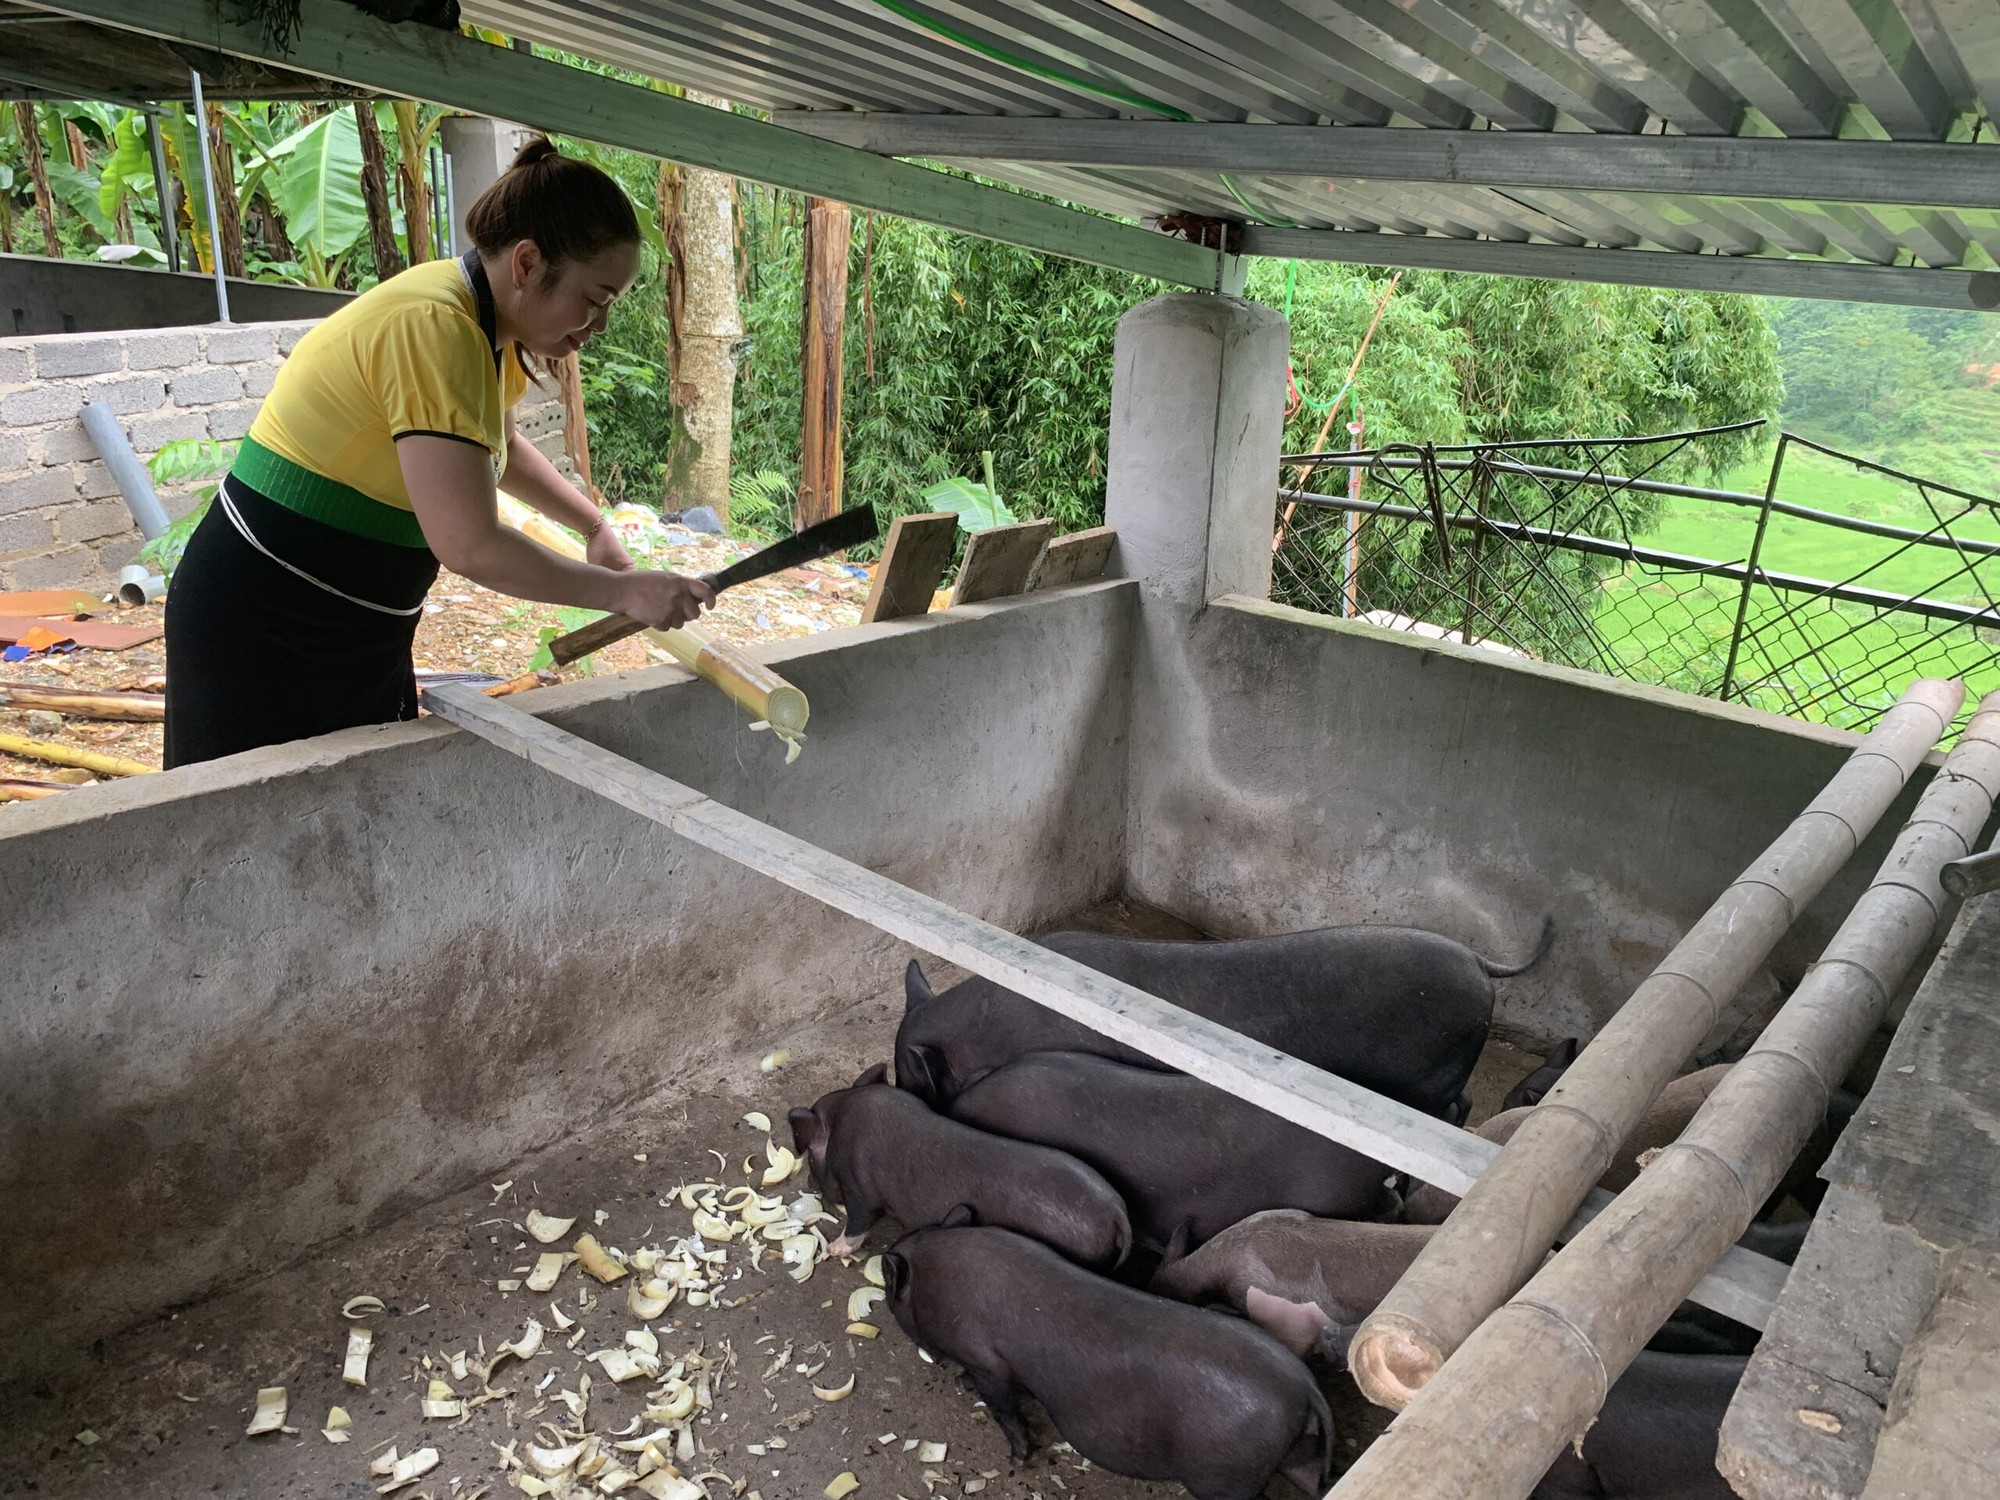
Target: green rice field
x=1831, y=662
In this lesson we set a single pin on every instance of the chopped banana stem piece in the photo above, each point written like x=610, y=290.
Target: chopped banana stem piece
x=931, y=1453
x=360, y=1307
x=835, y=1393
x=758, y=1120
x=713, y=1227
x=783, y=1164
x=337, y=1423
x=527, y=1346
x=270, y=1413
x=384, y=1463
x=546, y=1229
x=409, y=1470
x=873, y=1271
x=561, y=1319
x=549, y=1462
x=842, y=1486
x=647, y=1300
x=596, y=1261
x=548, y=1269
x=863, y=1330
x=775, y=1060
x=677, y=1406
x=354, y=1369
x=861, y=1299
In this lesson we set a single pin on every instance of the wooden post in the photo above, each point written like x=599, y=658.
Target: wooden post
x=375, y=192
x=1496, y=1238
x=576, y=429
x=828, y=229
x=1538, y=1370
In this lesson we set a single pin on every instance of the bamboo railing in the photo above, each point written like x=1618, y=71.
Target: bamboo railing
x=1535, y=1374
x=1496, y=1237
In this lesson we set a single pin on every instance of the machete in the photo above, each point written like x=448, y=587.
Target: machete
x=848, y=529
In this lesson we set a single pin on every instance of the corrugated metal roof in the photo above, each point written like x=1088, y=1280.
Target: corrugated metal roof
x=1895, y=70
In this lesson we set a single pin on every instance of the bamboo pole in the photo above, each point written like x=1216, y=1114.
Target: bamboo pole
x=1496, y=1237
x=62, y=755
x=26, y=789
x=86, y=703
x=745, y=680
x=1539, y=1369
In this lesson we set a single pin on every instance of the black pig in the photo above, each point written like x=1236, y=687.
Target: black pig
x=1185, y=1156
x=874, y=1149
x=1398, y=1010
x=1140, y=1385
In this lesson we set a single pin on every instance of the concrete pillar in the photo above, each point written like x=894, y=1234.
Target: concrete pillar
x=479, y=150
x=1197, y=417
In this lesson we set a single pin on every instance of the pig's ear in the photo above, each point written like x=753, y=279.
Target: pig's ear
x=877, y=1074
x=1564, y=1055
x=808, y=1133
x=895, y=1275
x=921, y=1071
x=916, y=989
x=959, y=1217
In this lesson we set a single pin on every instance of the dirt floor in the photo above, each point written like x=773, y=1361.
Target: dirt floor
x=465, y=628
x=160, y=1411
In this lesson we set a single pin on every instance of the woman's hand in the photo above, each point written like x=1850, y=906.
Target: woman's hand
x=662, y=600
x=606, y=551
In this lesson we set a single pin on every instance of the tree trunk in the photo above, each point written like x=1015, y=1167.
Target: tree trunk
x=228, y=220
x=829, y=228
x=375, y=192
x=710, y=325
x=411, y=184
x=79, y=153
x=38, y=173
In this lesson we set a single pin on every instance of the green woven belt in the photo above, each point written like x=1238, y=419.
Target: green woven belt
x=299, y=489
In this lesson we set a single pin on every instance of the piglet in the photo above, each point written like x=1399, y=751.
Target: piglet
x=1184, y=1156
x=875, y=1149
x=1307, y=1282
x=1135, y=1383
x=1656, y=1437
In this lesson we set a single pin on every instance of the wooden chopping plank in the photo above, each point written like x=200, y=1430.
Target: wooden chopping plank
x=94, y=635
x=50, y=603
x=1000, y=560
x=913, y=563
x=1076, y=558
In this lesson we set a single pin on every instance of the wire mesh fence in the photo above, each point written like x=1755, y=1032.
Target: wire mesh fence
x=1572, y=552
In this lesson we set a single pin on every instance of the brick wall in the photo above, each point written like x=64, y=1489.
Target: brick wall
x=62, y=521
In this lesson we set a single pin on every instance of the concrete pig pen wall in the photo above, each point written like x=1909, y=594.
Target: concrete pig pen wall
x=1338, y=772
x=252, y=1005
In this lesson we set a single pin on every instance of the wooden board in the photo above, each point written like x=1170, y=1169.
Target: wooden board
x=1742, y=1285
x=1000, y=560
x=50, y=602
x=93, y=634
x=913, y=563
x=1076, y=558
x=1915, y=1188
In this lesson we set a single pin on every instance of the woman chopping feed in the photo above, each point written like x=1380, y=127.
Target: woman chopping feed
x=375, y=459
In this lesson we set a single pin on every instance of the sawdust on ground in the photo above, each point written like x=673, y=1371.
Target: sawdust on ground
x=466, y=628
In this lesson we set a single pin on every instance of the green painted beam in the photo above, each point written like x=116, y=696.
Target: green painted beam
x=337, y=41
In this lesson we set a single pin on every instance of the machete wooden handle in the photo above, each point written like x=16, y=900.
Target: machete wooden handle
x=598, y=634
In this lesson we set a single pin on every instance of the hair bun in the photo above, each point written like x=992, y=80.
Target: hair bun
x=538, y=149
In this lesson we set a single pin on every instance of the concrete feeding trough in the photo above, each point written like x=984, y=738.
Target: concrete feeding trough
x=256, y=1006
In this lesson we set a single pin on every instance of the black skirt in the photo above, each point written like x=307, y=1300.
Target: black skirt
x=257, y=655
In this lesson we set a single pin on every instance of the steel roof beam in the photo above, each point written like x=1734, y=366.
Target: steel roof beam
x=1915, y=173
x=335, y=40
x=1762, y=276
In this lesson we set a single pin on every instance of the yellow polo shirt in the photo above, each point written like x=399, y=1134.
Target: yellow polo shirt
x=412, y=355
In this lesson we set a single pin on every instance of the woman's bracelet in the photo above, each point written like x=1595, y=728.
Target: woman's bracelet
x=595, y=528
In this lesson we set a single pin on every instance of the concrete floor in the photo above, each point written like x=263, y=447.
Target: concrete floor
x=169, y=1400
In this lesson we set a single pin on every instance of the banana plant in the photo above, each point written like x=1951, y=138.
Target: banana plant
x=318, y=192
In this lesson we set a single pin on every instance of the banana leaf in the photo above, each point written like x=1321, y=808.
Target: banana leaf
x=318, y=190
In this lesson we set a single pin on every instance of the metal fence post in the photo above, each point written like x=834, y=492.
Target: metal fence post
x=1750, y=569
